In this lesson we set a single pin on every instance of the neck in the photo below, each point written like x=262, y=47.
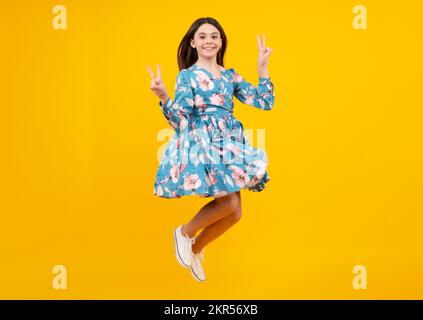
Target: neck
x=208, y=63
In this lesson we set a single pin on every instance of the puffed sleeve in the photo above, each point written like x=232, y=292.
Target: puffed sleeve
x=177, y=111
x=261, y=97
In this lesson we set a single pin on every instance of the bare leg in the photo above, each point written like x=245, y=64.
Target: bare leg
x=216, y=229
x=211, y=212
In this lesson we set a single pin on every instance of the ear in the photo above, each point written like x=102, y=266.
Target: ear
x=192, y=43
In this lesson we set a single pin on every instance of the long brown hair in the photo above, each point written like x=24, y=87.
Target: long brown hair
x=187, y=55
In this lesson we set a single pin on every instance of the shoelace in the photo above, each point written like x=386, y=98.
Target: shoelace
x=200, y=255
x=197, y=266
x=189, y=242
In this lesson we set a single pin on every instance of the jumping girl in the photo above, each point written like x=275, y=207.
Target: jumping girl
x=209, y=154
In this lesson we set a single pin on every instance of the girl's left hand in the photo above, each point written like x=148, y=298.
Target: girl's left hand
x=264, y=53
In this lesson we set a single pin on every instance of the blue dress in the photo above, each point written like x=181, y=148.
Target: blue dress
x=209, y=154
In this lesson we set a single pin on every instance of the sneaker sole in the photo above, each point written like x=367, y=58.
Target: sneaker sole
x=178, y=257
x=195, y=276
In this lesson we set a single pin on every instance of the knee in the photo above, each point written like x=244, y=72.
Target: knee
x=236, y=215
x=231, y=203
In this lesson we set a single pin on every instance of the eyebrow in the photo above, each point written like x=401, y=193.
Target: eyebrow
x=205, y=33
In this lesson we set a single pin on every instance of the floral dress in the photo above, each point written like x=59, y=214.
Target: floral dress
x=209, y=154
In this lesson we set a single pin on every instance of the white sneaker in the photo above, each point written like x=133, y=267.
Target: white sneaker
x=197, y=270
x=183, y=247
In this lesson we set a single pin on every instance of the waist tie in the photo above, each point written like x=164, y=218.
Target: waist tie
x=211, y=110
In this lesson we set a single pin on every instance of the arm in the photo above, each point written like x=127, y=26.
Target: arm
x=260, y=97
x=177, y=111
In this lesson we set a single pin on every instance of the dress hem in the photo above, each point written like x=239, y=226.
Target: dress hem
x=260, y=186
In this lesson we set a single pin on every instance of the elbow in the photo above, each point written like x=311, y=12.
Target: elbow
x=267, y=102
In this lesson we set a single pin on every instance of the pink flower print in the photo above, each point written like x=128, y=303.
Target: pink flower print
x=211, y=179
x=240, y=176
x=237, y=77
x=192, y=182
x=235, y=149
x=249, y=99
x=174, y=173
x=199, y=102
x=204, y=81
x=182, y=167
x=254, y=181
x=217, y=99
x=159, y=191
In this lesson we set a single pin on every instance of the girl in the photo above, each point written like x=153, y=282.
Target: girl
x=209, y=154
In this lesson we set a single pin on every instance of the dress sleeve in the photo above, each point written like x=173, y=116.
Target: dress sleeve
x=177, y=111
x=261, y=97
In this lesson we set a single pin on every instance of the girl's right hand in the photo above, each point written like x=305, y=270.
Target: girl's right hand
x=157, y=86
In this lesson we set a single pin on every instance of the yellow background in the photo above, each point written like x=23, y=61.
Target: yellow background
x=79, y=128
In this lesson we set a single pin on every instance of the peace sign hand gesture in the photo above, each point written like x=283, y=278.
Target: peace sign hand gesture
x=264, y=53
x=156, y=84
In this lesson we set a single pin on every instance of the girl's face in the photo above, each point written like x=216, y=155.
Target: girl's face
x=207, y=41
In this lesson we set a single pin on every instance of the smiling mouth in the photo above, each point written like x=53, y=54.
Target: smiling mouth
x=209, y=49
